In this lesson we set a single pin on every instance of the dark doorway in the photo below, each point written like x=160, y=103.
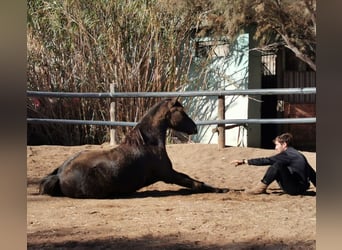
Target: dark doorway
x=268, y=110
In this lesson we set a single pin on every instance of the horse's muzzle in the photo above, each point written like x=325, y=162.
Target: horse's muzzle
x=194, y=131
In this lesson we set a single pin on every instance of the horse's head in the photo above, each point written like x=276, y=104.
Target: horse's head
x=178, y=119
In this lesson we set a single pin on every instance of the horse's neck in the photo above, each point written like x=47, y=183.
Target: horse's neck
x=145, y=135
x=153, y=135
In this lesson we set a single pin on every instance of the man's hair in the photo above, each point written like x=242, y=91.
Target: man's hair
x=284, y=138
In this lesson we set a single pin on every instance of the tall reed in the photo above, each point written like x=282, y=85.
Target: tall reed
x=84, y=46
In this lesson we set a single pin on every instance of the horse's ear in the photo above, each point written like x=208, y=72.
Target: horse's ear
x=174, y=101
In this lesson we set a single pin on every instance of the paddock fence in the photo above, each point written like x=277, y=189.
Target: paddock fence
x=220, y=122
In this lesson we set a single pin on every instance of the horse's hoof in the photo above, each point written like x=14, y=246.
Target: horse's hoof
x=222, y=190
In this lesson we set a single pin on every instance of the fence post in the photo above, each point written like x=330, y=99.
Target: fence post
x=112, y=116
x=221, y=127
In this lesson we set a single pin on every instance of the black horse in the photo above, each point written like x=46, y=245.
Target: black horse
x=140, y=160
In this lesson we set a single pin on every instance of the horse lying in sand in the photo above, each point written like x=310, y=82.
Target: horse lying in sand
x=140, y=160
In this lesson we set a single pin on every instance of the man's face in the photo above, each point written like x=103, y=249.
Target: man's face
x=280, y=147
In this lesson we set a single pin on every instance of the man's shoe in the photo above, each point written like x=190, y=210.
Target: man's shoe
x=259, y=189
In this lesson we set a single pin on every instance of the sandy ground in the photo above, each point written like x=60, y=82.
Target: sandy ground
x=164, y=216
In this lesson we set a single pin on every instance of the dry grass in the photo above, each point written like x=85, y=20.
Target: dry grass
x=84, y=46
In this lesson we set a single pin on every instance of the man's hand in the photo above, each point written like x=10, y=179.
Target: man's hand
x=238, y=162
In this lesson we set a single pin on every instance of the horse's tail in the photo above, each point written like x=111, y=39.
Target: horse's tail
x=50, y=184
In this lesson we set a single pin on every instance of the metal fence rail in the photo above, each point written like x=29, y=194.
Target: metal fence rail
x=274, y=91
x=221, y=122
x=199, y=123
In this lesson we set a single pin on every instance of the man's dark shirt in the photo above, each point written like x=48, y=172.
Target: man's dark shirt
x=293, y=160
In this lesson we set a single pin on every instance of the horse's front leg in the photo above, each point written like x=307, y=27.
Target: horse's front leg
x=184, y=180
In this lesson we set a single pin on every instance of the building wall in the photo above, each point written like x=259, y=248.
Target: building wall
x=227, y=70
x=293, y=73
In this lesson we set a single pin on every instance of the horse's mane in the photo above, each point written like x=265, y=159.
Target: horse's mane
x=135, y=137
x=152, y=111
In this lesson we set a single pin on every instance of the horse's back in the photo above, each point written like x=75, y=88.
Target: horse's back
x=101, y=174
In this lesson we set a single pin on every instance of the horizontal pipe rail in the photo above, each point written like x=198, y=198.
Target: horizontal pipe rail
x=272, y=91
x=199, y=123
x=79, y=122
x=220, y=93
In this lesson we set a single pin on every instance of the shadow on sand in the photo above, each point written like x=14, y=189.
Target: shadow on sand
x=148, y=242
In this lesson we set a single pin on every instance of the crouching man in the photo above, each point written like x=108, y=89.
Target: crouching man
x=289, y=168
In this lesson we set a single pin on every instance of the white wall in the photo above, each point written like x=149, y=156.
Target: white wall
x=227, y=70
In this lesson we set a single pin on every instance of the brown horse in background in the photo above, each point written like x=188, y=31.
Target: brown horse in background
x=140, y=160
